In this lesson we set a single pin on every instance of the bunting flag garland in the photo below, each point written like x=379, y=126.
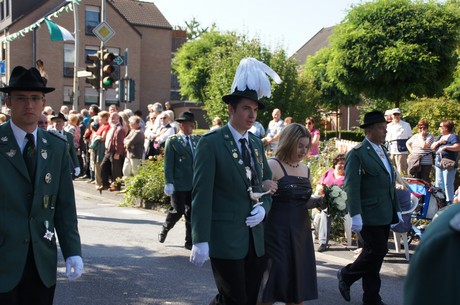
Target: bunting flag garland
x=21, y=33
x=57, y=32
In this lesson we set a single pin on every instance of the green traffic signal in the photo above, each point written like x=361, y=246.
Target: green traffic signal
x=108, y=69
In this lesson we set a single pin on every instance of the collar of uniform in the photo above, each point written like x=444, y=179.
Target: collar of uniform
x=236, y=135
x=20, y=134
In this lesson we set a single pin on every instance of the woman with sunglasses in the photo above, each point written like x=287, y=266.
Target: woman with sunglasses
x=315, y=135
x=419, y=146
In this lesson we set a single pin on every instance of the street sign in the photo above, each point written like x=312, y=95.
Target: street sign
x=103, y=31
x=84, y=73
x=118, y=60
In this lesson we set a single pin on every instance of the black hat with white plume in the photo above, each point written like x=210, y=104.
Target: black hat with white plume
x=251, y=81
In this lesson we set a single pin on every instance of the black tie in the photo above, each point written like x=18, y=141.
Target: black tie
x=29, y=155
x=245, y=153
x=187, y=144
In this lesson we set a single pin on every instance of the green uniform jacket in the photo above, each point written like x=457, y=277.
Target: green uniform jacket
x=434, y=268
x=221, y=201
x=67, y=136
x=52, y=200
x=370, y=191
x=178, y=162
x=72, y=150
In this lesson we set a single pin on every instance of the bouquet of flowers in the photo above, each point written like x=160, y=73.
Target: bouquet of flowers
x=335, y=201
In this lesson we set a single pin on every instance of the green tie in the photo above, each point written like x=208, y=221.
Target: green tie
x=187, y=144
x=29, y=155
x=245, y=153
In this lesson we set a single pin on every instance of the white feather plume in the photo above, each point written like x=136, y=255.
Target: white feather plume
x=252, y=74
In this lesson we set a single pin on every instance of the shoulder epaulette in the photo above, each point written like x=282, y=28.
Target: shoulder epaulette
x=57, y=134
x=209, y=132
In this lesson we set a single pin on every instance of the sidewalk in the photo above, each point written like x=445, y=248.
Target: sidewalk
x=395, y=264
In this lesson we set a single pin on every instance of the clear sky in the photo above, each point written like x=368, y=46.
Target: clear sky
x=285, y=23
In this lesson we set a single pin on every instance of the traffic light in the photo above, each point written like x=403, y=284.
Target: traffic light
x=120, y=90
x=130, y=90
x=107, y=69
x=95, y=69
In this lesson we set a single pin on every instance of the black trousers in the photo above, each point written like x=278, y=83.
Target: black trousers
x=367, y=265
x=238, y=281
x=181, y=204
x=111, y=169
x=30, y=289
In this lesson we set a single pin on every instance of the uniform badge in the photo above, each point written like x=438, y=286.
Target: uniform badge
x=44, y=154
x=48, y=178
x=11, y=153
x=4, y=139
x=48, y=234
x=240, y=162
x=226, y=136
x=45, y=141
x=46, y=200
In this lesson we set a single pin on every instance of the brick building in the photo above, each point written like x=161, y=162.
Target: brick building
x=139, y=27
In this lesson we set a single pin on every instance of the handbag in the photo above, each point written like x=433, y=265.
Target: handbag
x=413, y=164
x=447, y=163
x=401, y=144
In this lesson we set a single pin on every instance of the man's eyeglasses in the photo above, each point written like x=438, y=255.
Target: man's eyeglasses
x=308, y=123
x=23, y=99
x=422, y=127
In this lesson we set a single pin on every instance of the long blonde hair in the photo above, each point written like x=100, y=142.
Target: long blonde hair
x=289, y=139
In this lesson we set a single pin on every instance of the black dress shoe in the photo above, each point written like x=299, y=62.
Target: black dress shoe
x=162, y=235
x=343, y=287
x=188, y=245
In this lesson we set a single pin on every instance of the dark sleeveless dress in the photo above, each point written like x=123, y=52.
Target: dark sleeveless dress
x=291, y=273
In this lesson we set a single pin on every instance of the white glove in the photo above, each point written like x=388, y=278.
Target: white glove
x=77, y=171
x=200, y=254
x=74, y=267
x=356, y=223
x=169, y=189
x=258, y=214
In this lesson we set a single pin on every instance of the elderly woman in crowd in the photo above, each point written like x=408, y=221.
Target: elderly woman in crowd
x=446, y=146
x=134, y=145
x=419, y=146
x=322, y=221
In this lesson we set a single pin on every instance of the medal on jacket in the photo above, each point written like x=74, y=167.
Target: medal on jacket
x=48, y=234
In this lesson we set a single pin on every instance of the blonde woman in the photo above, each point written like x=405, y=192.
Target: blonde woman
x=288, y=238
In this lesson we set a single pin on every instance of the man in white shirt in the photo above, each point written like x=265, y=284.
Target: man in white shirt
x=273, y=130
x=398, y=132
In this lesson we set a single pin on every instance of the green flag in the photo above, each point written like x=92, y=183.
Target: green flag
x=58, y=32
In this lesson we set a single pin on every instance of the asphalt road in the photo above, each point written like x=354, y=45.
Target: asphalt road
x=126, y=265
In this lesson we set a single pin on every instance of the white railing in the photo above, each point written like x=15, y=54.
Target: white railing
x=344, y=146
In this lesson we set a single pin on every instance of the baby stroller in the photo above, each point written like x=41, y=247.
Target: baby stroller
x=430, y=200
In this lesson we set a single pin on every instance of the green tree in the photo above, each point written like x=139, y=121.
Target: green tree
x=330, y=96
x=206, y=68
x=391, y=49
x=194, y=29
